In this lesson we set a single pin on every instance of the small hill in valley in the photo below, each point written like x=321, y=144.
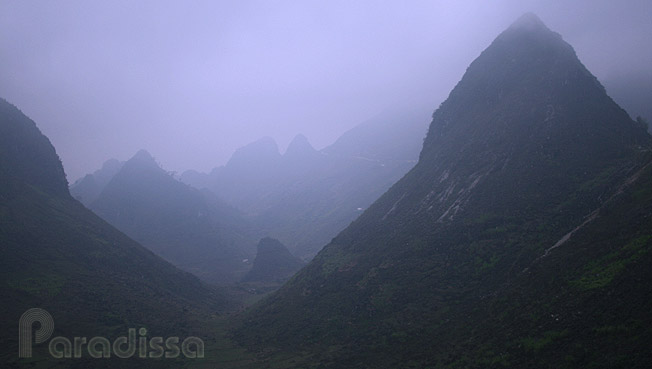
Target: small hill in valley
x=273, y=262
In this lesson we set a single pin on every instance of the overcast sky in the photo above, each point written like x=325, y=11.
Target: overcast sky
x=191, y=81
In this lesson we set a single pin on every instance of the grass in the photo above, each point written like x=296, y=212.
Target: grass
x=601, y=273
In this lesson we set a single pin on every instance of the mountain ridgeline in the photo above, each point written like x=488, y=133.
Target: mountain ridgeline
x=191, y=229
x=89, y=188
x=59, y=256
x=521, y=238
x=305, y=196
x=27, y=154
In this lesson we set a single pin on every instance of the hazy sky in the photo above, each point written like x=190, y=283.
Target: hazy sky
x=191, y=81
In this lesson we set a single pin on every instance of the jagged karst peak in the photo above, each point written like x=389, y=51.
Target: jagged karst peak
x=299, y=146
x=536, y=69
x=529, y=22
x=529, y=33
x=142, y=160
x=521, y=155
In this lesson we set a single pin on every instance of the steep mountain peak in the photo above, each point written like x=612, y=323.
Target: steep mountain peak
x=529, y=65
x=144, y=156
x=299, y=147
x=529, y=22
x=528, y=33
x=525, y=151
x=142, y=161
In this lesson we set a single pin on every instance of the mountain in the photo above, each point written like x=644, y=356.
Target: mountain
x=59, y=256
x=394, y=135
x=521, y=238
x=246, y=177
x=273, y=262
x=300, y=153
x=88, y=188
x=305, y=197
x=27, y=155
x=191, y=229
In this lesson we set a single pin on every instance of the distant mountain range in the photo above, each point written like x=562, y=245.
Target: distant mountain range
x=192, y=229
x=305, y=197
x=88, y=188
x=522, y=238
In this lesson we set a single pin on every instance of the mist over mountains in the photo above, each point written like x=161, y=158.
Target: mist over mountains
x=510, y=228
x=303, y=197
x=484, y=253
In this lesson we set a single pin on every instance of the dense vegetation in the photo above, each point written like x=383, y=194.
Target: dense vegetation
x=520, y=238
x=57, y=255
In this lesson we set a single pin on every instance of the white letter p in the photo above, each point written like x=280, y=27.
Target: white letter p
x=25, y=325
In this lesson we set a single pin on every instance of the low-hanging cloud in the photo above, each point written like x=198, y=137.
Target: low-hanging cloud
x=191, y=81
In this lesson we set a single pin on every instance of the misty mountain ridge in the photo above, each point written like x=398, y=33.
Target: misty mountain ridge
x=305, y=196
x=520, y=238
x=88, y=188
x=633, y=91
x=514, y=231
x=59, y=256
x=192, y=229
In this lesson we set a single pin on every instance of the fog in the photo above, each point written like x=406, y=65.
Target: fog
x=191, y=81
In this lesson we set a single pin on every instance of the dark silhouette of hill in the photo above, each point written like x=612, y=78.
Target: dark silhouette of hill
x=273, y=262
x=57, y=255
x=520, y=239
